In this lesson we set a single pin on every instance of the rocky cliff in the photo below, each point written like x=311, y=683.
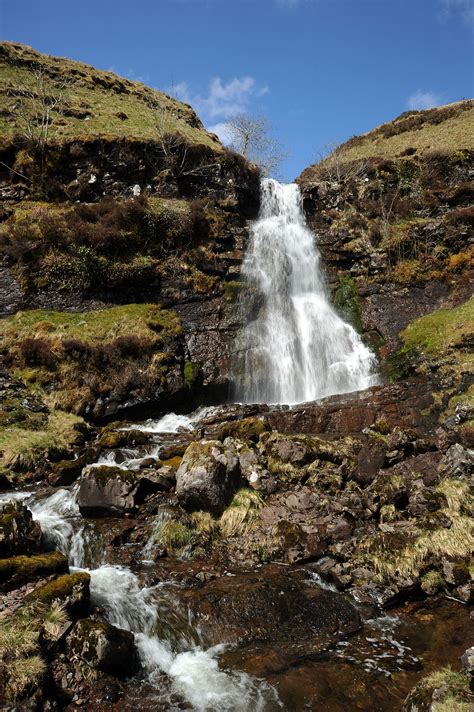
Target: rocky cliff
x=114, y=194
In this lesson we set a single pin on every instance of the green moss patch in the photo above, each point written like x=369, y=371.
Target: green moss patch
x=21, y=569
x=441, y=330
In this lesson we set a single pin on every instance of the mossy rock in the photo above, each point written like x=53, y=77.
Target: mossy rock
x=19, y=534
x=245, y=429
x=17, y=570
x=347, y=302
x=72, y=590
x=111, y=439
x=105, y=647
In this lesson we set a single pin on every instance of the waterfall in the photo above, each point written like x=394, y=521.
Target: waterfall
x=294, y=346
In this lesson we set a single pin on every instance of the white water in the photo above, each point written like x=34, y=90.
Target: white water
x=192, y=671
x=296, y=348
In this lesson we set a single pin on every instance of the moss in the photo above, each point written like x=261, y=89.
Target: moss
x=21, y=569
x=402, y=364
x=346, y=300
x=60, y=588
x=444, y=690
x=192, y=375
x=244, y=429
x=441, y=330
x=173, y=462
x=232, y=289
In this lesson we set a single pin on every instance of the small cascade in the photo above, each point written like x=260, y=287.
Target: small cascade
x=167, y=641
x=294, y=347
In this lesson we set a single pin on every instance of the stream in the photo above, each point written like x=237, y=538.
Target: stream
x=370, y=670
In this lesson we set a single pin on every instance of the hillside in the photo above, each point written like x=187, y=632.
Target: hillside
x=92, y=103
x=442, y=129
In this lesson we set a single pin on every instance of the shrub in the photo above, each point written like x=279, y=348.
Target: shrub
x=38, y=352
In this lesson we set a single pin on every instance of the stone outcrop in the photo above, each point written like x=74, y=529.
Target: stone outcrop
x=208, y=475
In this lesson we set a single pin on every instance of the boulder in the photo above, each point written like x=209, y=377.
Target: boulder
x=273, y=607
x=71, y=590
x=113, y=492
x=208, y=475
x=19, y=534
x=110, y=649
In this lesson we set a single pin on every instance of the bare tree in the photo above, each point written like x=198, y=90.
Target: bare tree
x=172, y=145
x=332, y=166
x=38, y=101
x=251, y=136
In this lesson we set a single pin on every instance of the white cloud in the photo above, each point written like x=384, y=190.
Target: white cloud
x=423, y=100
x=223, y=99
x=463, y=9
x=223, y=131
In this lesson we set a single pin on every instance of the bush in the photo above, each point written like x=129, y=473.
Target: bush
x=38, y=352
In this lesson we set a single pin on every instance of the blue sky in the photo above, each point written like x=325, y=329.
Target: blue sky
x=320, y=70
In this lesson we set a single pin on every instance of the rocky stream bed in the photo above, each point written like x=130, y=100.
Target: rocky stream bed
x=237, y=558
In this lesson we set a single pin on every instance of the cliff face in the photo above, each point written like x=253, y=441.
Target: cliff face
x=393, y=214
x=114, y=194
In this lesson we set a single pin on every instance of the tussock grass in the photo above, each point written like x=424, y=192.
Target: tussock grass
x=23, y=448
x=173, y=536
x=452, y=692
x=24, y=675
x=242, y=514
x=457, y=541
x=20, y=652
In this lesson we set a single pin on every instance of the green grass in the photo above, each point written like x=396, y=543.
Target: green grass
x=103, y=98
x=101, y=326
x=23, y=448
x=442, y=329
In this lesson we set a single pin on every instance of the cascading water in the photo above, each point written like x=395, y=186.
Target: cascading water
x=294, y=347
x=166, y=640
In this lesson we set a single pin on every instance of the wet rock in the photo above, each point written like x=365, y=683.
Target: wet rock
x=19, y=534
x=21, y=569
x=71, y=590
x=467, y=660
x=271, y=607
x=104, y=646
x=208, y=475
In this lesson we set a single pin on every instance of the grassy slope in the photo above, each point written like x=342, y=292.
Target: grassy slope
x=96, y=101
x=447, y=129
